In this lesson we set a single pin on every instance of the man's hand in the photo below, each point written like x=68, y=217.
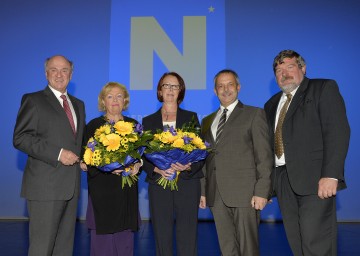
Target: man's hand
x=83, y=166
x=258, y=203
x=327, y=187
x=68, y=158
x=202, y=204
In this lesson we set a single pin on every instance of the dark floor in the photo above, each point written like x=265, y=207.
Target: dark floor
x=14, y=239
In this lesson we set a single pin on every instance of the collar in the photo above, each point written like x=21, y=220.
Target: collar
x=57, y=93
x=230, y=108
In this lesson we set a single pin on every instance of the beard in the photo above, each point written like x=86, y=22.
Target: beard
x=288, y=87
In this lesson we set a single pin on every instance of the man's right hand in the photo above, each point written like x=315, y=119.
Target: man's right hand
x=202, y=204
x=68, y=158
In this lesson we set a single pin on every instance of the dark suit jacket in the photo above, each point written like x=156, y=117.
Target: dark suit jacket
x=240, y=164
x=316, y=134
x=42, y=129
x=154, y=122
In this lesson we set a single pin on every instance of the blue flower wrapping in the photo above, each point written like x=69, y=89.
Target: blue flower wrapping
x=129, y=160
x=164, y=159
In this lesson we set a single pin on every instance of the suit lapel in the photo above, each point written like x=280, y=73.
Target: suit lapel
x=53, y=101
x=238, y=110
x=158, y=120
x=273, y=108
x=298, y=97
x=76, y=109
x=206, y=128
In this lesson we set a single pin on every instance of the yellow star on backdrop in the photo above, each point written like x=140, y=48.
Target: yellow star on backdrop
x=211, y=9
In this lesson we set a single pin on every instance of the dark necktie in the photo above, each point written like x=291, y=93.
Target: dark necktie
x=68, y=112
x=279, y=146
x=221, y=125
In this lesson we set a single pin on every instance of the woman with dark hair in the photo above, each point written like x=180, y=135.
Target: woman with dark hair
x=167, y=204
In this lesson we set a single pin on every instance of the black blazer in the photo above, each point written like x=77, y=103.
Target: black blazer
x=316, y=134
x=154, y=122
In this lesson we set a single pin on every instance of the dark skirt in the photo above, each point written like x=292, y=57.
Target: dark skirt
x=115, y=244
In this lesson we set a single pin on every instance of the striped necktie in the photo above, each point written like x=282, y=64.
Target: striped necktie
x=221, y=125
x=68, y=113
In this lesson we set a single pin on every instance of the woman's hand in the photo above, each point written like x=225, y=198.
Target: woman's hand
x=117, y=172
x=135, y=169
x=181, y=167
x=165, y=173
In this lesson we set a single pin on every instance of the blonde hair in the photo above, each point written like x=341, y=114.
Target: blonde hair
x=106, y=89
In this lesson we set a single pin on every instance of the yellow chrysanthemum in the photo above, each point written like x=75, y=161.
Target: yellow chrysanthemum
x=124, y=148
x=133, y=138
x=178, y=143
x=124, y=144
x=107, y=160
x=123, y=128
x=124, y=140
x=112, y=142
x=87, y=156
x=105, y=129
x=191, y=135
x=96, y=158
x=180, y=133
x=167, y=137
x=198, y=142
x=103, y=139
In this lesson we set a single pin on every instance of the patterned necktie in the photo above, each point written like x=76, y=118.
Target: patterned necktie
x=68, y=113
x=221, y=125
x=279, y=147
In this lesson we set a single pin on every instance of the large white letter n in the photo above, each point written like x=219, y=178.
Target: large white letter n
x=147, y=36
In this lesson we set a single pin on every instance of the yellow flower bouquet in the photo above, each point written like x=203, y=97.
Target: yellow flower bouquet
x=176, y=145
x=117, y=146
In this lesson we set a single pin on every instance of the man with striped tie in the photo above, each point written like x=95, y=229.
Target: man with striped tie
x=237, y=171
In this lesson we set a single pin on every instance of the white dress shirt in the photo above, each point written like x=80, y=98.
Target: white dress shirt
x=215, y=123
x=57, y=95
x=281, y=161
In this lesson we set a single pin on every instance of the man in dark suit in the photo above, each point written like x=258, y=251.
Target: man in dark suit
x=237, y=171
x=310, y=152
x=52, y=140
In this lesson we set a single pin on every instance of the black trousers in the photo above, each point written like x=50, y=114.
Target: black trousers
x=182, y=205
x=310, y=222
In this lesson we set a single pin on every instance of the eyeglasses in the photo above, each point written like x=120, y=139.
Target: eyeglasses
x=171, y=86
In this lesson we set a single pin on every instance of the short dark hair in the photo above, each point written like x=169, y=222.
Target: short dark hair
x=224, y=71
x=279, y=59
x=181, y=95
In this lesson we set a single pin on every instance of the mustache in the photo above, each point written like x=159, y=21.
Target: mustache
x=226, y=93
x=284, y=78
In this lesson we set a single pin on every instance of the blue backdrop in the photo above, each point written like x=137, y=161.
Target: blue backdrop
x=134, y=42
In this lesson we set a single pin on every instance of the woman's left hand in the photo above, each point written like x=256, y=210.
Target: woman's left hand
x=135, y=169
x=117, y=172
x=181, y=167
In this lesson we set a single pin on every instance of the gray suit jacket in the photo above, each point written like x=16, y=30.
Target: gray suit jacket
x=240, y=164
x=42, y=129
